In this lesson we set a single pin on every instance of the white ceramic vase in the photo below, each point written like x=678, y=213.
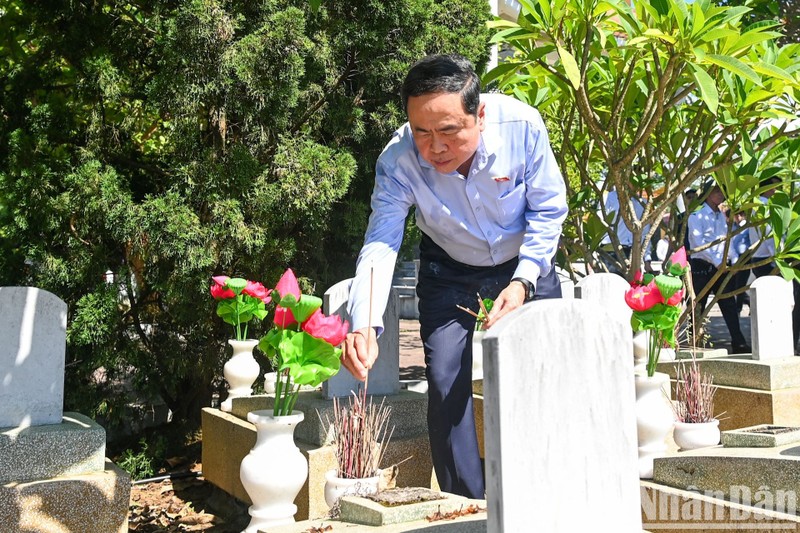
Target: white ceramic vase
x=693, y=435
x=240, y=371
x=641, y=339
x=477, y=354
x=641, y=343
x=336, y=487
x=654, y=419
x=274, y=471
x=269, y=382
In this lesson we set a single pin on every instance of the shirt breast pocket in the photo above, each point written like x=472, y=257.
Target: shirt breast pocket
x=511, y=205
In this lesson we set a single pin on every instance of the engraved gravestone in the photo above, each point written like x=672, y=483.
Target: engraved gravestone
x=33, y=325
x=771, y=302
x=562, y=456
x=384, y=377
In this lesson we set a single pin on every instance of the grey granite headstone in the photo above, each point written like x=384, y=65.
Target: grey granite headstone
x=33, y=325
x=608, y=290
x=75, y=446
x=384, y=377
x=559, y=420
x=771, y=303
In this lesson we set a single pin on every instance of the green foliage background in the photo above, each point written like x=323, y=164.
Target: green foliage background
x=168, y=141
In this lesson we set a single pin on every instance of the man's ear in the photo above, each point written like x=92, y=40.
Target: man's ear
x=482, y=116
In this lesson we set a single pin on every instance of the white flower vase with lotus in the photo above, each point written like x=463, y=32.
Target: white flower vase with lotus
x=695, y=425
x=656, y=305
x=238, y=302
x=654, y=419
x=274, y=471
x=303, y=347
x=641, y=342
x=240, y=371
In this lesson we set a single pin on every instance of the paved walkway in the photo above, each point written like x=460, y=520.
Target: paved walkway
x=412, y=358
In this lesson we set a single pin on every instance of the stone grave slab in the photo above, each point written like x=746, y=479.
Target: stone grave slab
x=760, y=436
x=559, y=407
x=700, y=353
x=365, y=511
x=741, y=371
x=771, y=302
x=32, y=347
x=406, y=408
x=672, y=510
x=76, y=446
x=384, y=377
x=465, y=524
x=735, y=473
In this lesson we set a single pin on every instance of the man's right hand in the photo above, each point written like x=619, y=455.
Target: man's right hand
x=359, y=351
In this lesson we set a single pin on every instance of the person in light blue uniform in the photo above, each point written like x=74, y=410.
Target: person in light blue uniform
x=490, y=202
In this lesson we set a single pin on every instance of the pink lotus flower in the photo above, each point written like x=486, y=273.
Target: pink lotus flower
x=643, y=297
x=218, y=289
x=637, y=279
x=676, y=298
x=288, y=284
x=331, y=329
x=257, y=290
x=679, y=257
x=283, y=317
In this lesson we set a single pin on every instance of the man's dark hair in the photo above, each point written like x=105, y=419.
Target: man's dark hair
x=772, y=180
x=709, y=186
x=443, y=74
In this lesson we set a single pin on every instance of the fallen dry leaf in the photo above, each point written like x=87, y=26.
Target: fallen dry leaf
x=452, y=515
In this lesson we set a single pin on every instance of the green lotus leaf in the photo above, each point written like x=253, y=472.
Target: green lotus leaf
x=668, y=285
x=305, y=307
x=237, y=285
x=310, y=360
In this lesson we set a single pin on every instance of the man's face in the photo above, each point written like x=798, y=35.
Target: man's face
x=444, y=133
x=715, y=197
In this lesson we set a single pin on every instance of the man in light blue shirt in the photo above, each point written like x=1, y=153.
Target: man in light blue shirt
x=490, y=201
x=707, y=231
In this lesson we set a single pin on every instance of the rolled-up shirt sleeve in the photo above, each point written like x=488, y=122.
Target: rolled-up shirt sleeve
x=547, y=205
x=391, y=200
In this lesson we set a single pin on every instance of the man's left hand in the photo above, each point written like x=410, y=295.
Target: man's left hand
x=512, y=297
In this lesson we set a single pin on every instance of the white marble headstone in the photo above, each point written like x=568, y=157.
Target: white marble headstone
x=559, y=420
x=33, y=325
x=771, y=302
x=384, y=377
x=608, y=290
x=567, y=285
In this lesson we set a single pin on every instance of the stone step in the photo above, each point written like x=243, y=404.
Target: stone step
x=76, y=446
x=738, y=474
x=90, y=503
x=405, y=290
